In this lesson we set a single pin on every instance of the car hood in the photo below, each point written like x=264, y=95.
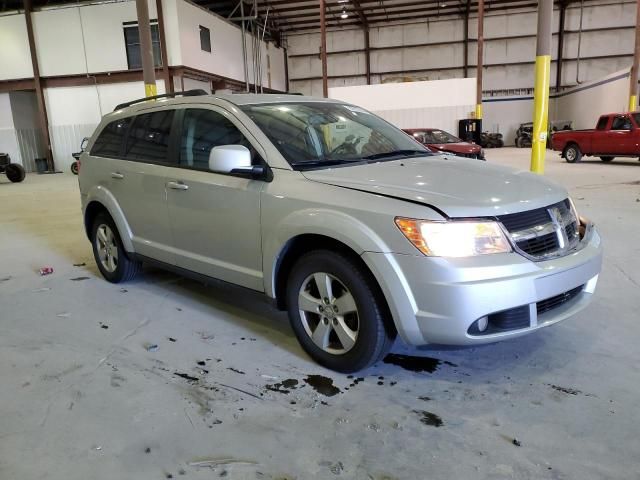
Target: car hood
x=459, y=147
x=459, y=187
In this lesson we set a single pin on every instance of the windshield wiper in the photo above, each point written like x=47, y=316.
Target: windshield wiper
x=325, y=163
x=396, y=153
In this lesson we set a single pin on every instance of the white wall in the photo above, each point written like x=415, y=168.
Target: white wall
x=585, y=104
x=447, y=59
x=437, y=103
x=8, y=140
x=15, y=56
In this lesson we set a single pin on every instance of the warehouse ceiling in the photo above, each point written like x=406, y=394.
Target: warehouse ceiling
x=285, y=16
x=296, y=15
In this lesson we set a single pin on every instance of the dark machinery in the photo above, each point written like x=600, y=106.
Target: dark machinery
x=13, y=171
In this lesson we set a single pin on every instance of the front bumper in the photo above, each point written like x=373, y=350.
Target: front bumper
x=437, y=300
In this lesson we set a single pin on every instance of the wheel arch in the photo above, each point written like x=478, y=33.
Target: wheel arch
x=100, y=200
x=297, y=246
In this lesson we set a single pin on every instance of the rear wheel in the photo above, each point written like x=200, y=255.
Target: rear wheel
x=110, y=256
x=606, y=159
x=74, y=168
x=572, y=153
x=15, y=173
x=337, y=312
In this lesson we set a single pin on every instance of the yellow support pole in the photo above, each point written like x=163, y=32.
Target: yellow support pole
x=633, y=75
x=540, y=113
x=541, y=86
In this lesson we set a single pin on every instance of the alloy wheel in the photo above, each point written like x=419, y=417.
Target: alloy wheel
x=107, y=248
x=328, y=313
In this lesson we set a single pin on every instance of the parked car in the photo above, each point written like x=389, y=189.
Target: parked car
x=615, y=135
x=346, y=222
x=441, y=141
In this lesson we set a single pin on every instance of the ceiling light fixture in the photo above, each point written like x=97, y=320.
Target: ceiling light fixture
x=344, y=14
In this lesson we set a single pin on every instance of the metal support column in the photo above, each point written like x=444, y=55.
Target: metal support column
x=43, y=120
x=633, y=80
x=323, y=49
x=541, y=86
x=244, y=48
x=146, y=49
x=560, y=55
x=367, y=54
x=168, y=81
x=480, y=58
x=465, y=46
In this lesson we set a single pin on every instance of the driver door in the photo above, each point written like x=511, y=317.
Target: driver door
x=214, y=217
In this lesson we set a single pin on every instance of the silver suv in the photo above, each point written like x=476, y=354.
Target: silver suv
x=357, y=230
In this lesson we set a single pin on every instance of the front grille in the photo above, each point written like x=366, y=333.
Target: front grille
x=554, y=302
x=543, y=232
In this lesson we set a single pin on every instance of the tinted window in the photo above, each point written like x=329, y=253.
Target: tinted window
x=201, y=131
x=621, y=123
x=109, y=143
x=149, y=137
x=602, y=123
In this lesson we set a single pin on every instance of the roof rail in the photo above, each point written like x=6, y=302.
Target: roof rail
x=188, y=93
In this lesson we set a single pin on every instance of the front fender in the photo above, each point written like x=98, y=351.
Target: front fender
x=329, y=223
x=104, y=197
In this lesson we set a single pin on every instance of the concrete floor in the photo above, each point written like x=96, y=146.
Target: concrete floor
x=81, y=397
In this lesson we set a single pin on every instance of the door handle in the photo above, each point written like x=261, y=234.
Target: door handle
x=178, y=186
x=117, y=175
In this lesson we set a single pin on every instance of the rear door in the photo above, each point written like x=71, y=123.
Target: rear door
x=139, y=182
x=215, y=217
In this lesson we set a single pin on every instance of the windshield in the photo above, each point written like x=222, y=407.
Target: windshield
x=636, y=118
x=317, y=134
x=436, y=136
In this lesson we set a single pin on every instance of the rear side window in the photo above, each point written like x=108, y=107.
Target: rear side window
x=109, y=143
x=149, y=137
x=621, y=123
x=602, y=123
x=201, y=131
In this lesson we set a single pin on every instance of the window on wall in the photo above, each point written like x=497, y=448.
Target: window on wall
x=205, y=39
x=132, y=44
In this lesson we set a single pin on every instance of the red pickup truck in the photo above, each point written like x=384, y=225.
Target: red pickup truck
x=615, y=135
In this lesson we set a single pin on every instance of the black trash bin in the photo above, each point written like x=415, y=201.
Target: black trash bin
x=41, y=165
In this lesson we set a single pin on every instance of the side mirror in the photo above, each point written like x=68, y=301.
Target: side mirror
x=226, y=158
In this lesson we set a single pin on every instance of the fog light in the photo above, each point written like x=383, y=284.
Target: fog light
x=482, y=324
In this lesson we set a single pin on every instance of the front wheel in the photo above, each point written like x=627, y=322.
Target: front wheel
x=110, y=256
x=337, y=312
x=15, y=173
x=606, y=159
x=74, y=168
x=572, y=154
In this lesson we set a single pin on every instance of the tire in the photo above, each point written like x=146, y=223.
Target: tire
x=607, y=158
x=367, y=327
x=518, y=142
x=572, y=153
x=74, y=168
x=116, y=266
x=15, y=173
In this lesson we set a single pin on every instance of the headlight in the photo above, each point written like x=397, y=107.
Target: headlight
x=456, y=238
